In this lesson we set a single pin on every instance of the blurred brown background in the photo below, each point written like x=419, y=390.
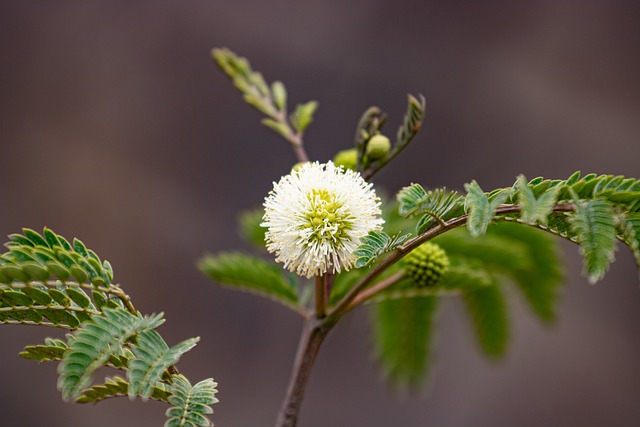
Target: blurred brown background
x=116, y=127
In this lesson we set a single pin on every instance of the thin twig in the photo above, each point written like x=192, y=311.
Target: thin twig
x=312, y=336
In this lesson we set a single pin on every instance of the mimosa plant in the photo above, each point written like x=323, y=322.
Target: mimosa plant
x=338, y=246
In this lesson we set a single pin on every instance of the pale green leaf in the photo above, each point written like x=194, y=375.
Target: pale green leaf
x=594, y=225
x=403, y=333
x=247, y=273
x=481, y=210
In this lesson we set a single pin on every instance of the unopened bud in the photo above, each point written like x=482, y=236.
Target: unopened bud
x=348, y=159
x=378, y=146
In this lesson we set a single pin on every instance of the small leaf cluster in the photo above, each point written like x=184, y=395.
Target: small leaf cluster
x=49, y=282
x=270, y=100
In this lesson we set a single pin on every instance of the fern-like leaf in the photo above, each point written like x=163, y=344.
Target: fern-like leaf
x=53, y=349
x=270, y=101
x=117, y=386
x=191, y=404
x=411, y=124
x=251, y=274
x=535, y=210
x=594, y=225
x=629, y=232
x=32, y=256
x=93, y=345
x=481, y=208
x=434, y=204
x=488, y=313
x=152, y=358
x=62, y=305
x=541, y=278
x=373, y=245
x=403, y=334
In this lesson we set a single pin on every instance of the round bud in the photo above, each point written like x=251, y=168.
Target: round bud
x=426, y=264
x=378, y=146
x=348, y=159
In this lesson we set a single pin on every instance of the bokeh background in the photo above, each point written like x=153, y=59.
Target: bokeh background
x=117, y=128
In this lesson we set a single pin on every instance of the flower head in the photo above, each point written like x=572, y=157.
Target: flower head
x=316, y=217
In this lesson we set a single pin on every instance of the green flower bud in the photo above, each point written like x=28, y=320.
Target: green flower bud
x=346, y=158
x=378, y=146
x=426, y=264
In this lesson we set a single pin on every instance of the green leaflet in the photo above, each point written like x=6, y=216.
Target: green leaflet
x=35, y=257
x=535, y=209
x=54, y=304
x=251, y=274
x=434, y=205
x=411, y=124
x=53, y=349
x=117, y=386
x=302, y=116
x=152, y=358
x=270, y=101
x=595, y=227
x=375, y=244
x=93, y=345
x=481, y=208
x=542, y=281
x=402, y=334
x=191, y=404
x=527, y=256
x=488, y=313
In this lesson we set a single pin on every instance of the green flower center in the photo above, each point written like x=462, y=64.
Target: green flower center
x=326, y=217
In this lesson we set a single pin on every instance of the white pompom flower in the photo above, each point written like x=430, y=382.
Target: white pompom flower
x=316, y=217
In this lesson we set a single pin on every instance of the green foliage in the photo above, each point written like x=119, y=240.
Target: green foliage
x=302, y=116
x=190, y=404
x=595, y=228
x=479, y=267
x=403, y=333
x=527, y=256
x=53, y=349
x=94, y=343
x=488, y=313
x=376, y=243
x=434, y=205
x=45, y=280
x=535, y=210
x=411, y=124
x=250, y=274
x=629, y=232
x=605, y=204
x=35, y=257
x=372, y=122
x=269, y=100
x=152, y=358
x=540, y=278
x=481, y=208
x=116, y=387
x=249, y=227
